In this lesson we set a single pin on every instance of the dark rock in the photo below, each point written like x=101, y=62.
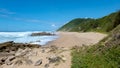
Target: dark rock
x=42, y=34
x=10, y=42
x=5, y=46
x=18, y=62
x=39, y=62
x=8, y=62
x=46, y=65
x=53, y=48
x=43, y=50
x=1, y=62
x=11, y=46
x=11, y=58
x=117, y=36
x=53, y=59
x=3, y=59
x=9, y=51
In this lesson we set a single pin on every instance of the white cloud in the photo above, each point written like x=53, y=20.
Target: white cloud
x=27, y=20
x=86, y=17
x=5, y=11
x=3, y=15
x=9, y=14
x=32, y=20
x=15, y=18
x=53, y=25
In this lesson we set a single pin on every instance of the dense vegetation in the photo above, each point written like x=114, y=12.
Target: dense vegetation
x=104, y=24
x=74, y=24
x=97, y=56
x=105, y=54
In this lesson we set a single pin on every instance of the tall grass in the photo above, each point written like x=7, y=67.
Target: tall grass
x=97, y=56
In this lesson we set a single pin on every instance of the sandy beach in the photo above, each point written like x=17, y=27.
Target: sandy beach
x=61, y=47
x=70, y=39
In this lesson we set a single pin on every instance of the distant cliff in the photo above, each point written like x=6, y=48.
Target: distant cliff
x=104, y=24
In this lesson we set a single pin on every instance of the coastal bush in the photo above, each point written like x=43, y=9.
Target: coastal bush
x=104, y=24
x=97, y=56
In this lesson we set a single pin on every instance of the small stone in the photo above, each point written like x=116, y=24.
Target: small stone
x=11, y=58
x=53, y=59
x=19, y=62
x=3, y=59
x=21, y=52
x=1, y=62
x=46, y=65
x=43, y=50
x=29, y=62
x=63, y=59
x=39, y=62
x=8, y=62
x=12, y=52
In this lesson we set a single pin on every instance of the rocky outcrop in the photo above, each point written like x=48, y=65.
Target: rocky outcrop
x=28, y=54
x=10, y=50
x=22, y=52
x=39, y=62
x=9, y=59
x=12, y=46
x=42, y=34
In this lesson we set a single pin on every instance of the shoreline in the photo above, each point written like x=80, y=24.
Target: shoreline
x=27, y=37
x=55, y=54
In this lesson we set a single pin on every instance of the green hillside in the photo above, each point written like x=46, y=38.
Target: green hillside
x=104, y=24
x=105, y=54
x=74, y=24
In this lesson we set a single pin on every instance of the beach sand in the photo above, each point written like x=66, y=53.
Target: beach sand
x=66, y=41
x=70, y=39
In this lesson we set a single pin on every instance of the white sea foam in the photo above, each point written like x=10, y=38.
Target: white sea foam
x=24, y=37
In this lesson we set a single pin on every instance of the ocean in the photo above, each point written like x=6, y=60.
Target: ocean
x=24, y=37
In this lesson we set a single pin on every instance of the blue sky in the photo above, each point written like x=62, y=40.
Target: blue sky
x=48, y=15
